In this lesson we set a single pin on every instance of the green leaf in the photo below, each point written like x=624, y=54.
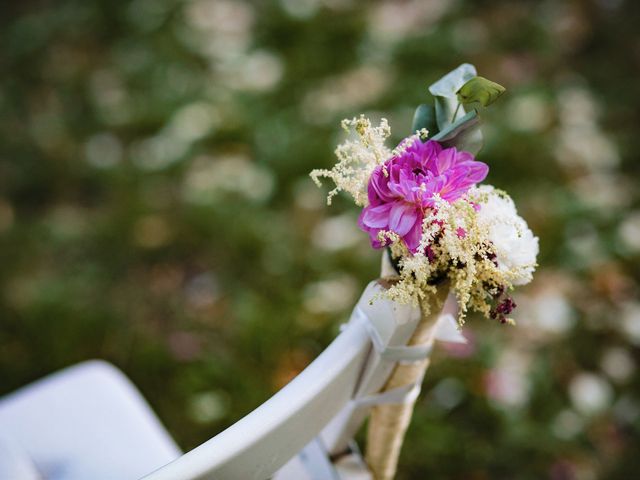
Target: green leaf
x=425, y=117
x=449, y=85
x=445, y=90
x=468, y=140
x=445, y=107
x=464, y=134
x=455, y=128
x=479, y=90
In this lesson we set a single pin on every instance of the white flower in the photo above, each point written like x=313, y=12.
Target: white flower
x=515, y=245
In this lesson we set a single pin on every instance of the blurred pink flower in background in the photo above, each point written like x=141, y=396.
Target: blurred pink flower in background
x=461, y=350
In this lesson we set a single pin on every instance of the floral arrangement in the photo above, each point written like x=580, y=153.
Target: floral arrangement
x=422, y=201
x=443, y=230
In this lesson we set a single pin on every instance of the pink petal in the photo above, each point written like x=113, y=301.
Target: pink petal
x=461, y=177
x=375, y=241
x=376, y=217
x=477, y=172
x=432, y=149
x=378, y=188
x=437, y=185
x=430, y=152
x=464, y=157
x=402, y=218
x=412, y=238
x=373, y=232
x=446, y=160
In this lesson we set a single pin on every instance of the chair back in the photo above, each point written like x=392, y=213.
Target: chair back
x=260, y=443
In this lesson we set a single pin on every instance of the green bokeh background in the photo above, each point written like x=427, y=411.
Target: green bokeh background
x=155, y=210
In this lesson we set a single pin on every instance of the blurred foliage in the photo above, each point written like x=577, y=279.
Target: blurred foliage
x=155, y=210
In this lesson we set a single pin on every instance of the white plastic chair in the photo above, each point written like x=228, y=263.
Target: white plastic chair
x=85, y=422
x=90, y=422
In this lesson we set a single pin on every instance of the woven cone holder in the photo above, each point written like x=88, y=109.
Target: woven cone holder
x=389, y=422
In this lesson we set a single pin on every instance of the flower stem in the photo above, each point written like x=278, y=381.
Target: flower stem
x=455, y=114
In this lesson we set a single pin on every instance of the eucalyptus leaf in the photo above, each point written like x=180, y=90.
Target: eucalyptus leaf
x=449, y=85
x=444, y=92
x=445, y=108
x=464, y=134
x=479, y=90
x=425, y=117
x=467, y=121
x=468, y=140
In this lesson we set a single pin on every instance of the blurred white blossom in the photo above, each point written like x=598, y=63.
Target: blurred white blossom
x=630, y=322
x=391, y=20
x=301, y=9
x=307, y=196
x=330, y=296
x=259, y=70
x=590, y=393
x=218, y=29
x=567, y=424
x=207, y=407
x=618, y=364
x=508, y=383
x=158, y=151
x=629, y=231
x=547, y=311
x=345, y=93
x=337, y=233
x=193, y=121
x=103, y=150
x=208, y=177
x=528, y=112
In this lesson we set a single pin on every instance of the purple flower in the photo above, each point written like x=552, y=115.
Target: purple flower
x=401, y=191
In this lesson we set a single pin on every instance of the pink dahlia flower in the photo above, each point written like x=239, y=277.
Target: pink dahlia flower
x=401, y=191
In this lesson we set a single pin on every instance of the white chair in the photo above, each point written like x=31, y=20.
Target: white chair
x=89, y=422
x=85, y=422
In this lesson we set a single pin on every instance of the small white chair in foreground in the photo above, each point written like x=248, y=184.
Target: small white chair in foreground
x=85, y=422
x=89, y=422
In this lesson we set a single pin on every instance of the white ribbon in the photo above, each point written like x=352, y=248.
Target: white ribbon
x=392, y=353
x=445, y=330
x=401, y=395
